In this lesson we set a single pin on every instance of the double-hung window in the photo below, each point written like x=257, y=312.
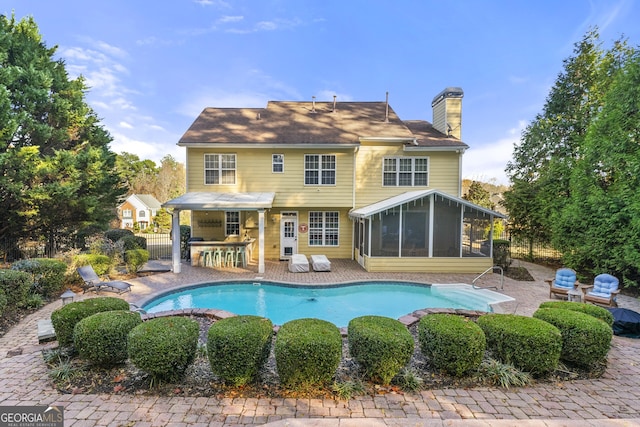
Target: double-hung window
x=232, y=223
x=219, y=169
x=324, y=228
x=405, y=171
x=320, y=169
x=277, y=163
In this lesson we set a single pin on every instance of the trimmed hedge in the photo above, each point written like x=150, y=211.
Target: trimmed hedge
x=135, y=259
x=308, y=352
x=382, y=346
x=453, y=344
x=101, y=263
x=16, y=286
x=102, y=338
x=3, y=301
x=116, y=234
x=590, y=309
x=529, y=344
x=238, y=347
x=65, y=318
x=164, y=347
x=585, y=340
x=48, y=274
x=130, y=243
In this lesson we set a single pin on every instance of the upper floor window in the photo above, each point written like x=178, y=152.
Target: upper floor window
x=232, y=223
x=142, y=214
x=277, y=163
x=320, y=169
x=219, y=168
x=405, y=171
x=127, y=213
x=324, y=228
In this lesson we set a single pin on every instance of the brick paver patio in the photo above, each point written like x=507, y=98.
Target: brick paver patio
x=613, y=399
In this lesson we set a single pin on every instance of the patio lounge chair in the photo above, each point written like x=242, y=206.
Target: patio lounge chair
x=603, y=291
x=93, y=283
x=564, y=281
x=320, y=263
x=298, y=263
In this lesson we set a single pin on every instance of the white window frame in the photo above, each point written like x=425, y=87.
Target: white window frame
x=142, y=213
x=400, y=171
x=326, y=232
x=277, y=160
x=127, y=213
x=321, y=169
x=229, y=221
x=223, y=160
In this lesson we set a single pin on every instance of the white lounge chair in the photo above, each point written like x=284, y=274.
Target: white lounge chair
x=93, y=283
x=320, y=263
x=298, y=263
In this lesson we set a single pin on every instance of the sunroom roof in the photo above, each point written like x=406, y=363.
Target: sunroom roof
x=409, y=196
x=221, y=201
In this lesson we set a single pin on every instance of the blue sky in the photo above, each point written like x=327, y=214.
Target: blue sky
x=152, y=66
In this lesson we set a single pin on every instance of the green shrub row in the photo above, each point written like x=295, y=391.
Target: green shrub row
x=65, y=318
x=135, y=259
x=530, y=344
x=101, y=338
x=15, y=286
x=3, y=302
x=164, y=347
x=382, y=346
x=307, y=351
x=590, y=309
x=47, y=274
x=101, y=263
x=453, y=344
x=116, y=234
x=238, y=347
x=585, y=339
x=130, y=243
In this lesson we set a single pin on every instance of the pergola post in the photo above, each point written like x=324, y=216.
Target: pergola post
x=175, y=244
x=261, y=241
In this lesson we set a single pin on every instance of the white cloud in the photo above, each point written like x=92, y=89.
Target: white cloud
x=487, y=162
x=125, y=125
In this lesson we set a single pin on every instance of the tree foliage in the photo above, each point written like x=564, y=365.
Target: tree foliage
x=56, y=170
x=569, y=157
x=144, y=177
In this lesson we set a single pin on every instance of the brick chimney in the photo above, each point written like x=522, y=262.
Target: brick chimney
x=447, y=111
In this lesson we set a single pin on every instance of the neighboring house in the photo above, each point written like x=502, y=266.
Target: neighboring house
x=138, y=208
x=344, y=179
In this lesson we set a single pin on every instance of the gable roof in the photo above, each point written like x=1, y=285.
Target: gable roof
x=409, y=196
x=146, y=200
x=305, y=123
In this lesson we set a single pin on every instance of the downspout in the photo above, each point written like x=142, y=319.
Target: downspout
x=459, y=173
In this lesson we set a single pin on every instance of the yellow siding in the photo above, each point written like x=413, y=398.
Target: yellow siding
x=254, y=175
x=428, y=265
x=444, y=172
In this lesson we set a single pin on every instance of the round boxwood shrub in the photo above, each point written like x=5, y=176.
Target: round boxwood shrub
x=590, y=309
x=102, y=338
x=48, y=274
x=135, y=259
x=585, y=339
x=529, y=344
x=130, y=243
x=382, y=346
x=308, y=352
x=238, y=347
x=116, y=234
x=65, y=318
x=16, y=286
x=164, y=347
x=454, y=344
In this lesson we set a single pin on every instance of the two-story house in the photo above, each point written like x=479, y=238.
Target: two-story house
x=344, y=179
x=138, y=208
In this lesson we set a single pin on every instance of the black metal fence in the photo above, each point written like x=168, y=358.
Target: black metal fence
x=158, y=245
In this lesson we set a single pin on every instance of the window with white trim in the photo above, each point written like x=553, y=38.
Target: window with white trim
x=319, y=169
x=232, y=223
x=219, y=169
x=127, y=213
x=277, y=163
x=324, y=228
x=405, y=171
x=142, y=214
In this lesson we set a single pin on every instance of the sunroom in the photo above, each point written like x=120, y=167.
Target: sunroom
x=424, y=231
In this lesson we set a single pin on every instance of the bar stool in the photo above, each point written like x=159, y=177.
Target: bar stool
x=207, y=258
x=240, y=253
x=230, y=257
x=217, y=257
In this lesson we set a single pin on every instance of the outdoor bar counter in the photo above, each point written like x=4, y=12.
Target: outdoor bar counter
x=198, y=248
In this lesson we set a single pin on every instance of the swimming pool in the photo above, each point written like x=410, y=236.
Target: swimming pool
x=335, y=303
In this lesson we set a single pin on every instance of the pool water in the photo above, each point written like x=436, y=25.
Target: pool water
x=336, y=303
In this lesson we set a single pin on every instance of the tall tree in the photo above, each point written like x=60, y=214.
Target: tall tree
x=171, y=179
x=56, y=170
x=552, y=143
x=599, y=229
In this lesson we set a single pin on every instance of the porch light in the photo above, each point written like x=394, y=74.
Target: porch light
x=67, y=296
